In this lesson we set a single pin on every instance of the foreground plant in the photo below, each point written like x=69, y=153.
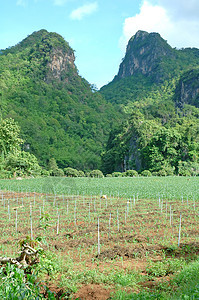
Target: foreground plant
x=18, y=276
x=15, y=284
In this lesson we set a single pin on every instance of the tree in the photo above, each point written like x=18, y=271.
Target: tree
x=22, y=163
x=163, y=151
x=9, y=137
x=15, y=162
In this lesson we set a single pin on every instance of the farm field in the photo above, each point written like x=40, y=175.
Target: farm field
x=134, y=240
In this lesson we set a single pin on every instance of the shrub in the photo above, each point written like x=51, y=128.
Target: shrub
x=188, y=168
x=154, y=173
x=116, y=174
x=108, y=175
x=70, y=172
x=52, y=164
x=45, y=173
x=146, y=173
x=15, y=284
x=81, y=174
x=4, y=174
x=22, y=163
x=57, y=172
x=131, y=173
x=161, y=173
x=96, y=174
x=53, y=168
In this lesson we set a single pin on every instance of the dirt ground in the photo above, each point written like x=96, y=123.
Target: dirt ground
x=133, y=234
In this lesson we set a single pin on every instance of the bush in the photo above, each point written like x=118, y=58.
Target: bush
x=116, y=174
x=22, y=163
x=53, y=168
x=70, y=172
x=45, y=173
x=131, y=173
x=188, y=168
x=52, y=164
x=146, y=173
x=15, y=284
x=81, y=174
x=96, y=174
x=57, y=172
x=108, y=175
x=4, y=174
x=161, y=173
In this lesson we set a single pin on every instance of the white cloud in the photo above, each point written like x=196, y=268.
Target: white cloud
x=84, y=10
x=176, y=21
x=181, y=9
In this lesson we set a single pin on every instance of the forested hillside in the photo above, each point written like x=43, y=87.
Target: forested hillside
x=158, y=87
x=59, y=114
x=145, y=119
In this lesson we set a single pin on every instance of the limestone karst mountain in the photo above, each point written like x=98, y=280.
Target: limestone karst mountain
x=146, y=118
x=59, y=114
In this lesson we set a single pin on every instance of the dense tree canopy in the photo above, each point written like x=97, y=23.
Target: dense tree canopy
x=139, y=122
x=61, y=116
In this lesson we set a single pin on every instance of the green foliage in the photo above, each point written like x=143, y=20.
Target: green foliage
x=70, y=172
x=53, y=168
x=45, y=220
x=155, y=137
x=13, y=161
x=21, y=163
x=96, y=174
x=52, y=164
x=9, y=136
x=14, y=284
x=146, y=173
x=131, y=173
x=186, y=282
x=117, y=174
x=184, y=285
x=164, y=267
x=58, y=113
x=57, y=172
x=81, y=173
x=109, y=175
x=188, y=168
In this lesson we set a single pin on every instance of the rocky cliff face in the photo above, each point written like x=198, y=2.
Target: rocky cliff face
x=187, y=90
x=60, y=64
x=145, y=54
x=53, y=53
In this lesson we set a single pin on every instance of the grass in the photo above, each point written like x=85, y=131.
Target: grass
x=143, y=187
x=184, y=285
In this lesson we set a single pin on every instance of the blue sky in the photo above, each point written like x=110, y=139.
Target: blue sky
x=98, y=30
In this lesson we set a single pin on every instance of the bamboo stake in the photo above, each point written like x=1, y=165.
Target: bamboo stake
x=8, y=211
x=118, y=224
x=57, y=223
x=179, y=231
x=31, y=231
x=16, y=221
x=109, y=226
x=170, y=215
x=98, y=234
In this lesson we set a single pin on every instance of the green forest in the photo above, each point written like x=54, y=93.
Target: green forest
x=52, y=119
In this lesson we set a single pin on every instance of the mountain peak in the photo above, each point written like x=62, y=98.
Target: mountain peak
x=144, y=53
x=48, y=49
